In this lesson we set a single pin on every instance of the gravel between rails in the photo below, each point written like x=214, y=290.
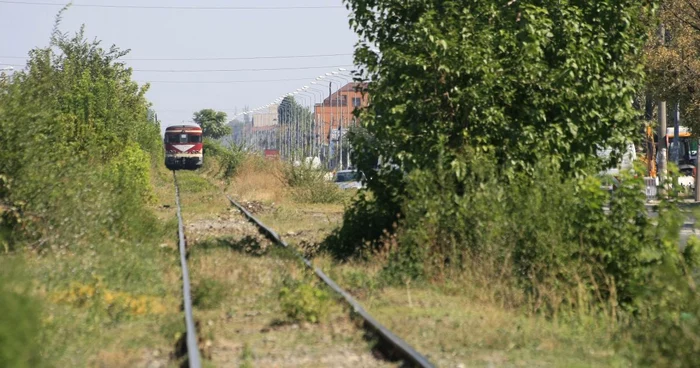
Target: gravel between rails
x=248, y=325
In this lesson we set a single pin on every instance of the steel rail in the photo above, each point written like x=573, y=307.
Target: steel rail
x=406, y=350
x=192, y=347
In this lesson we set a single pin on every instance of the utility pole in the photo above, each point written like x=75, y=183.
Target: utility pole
x=674, y=152
x=661, y=170
x=340, y=146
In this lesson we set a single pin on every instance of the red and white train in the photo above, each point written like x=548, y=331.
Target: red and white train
x=183, y=147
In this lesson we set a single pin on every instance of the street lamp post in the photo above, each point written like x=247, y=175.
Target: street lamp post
x=305, y=124
x=322, y=137
x=317, y=125
x=306, y=100
x=346, y=79
x=338, y=106
x=339, y=115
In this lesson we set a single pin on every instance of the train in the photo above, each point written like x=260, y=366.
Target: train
x=183, y=147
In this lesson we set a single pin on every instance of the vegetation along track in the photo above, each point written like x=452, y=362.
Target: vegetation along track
x=243, y=318
x=390, y=344
x=193, y=357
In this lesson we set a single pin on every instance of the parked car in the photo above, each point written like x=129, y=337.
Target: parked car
x=348, y=179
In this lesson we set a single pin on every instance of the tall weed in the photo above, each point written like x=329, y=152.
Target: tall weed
x=309, y=185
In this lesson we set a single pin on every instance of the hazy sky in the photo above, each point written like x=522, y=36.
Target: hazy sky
x=183, y=33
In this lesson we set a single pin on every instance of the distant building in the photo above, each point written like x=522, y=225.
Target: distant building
x=336, y=111
x=265, y=117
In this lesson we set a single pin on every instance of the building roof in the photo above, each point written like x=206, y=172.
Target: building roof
x=353, y=86
x=350, y=87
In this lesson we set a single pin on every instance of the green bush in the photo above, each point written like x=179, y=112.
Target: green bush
x=666, y=331
x=550, y=230
x=20, y=325
x=79, y=144
x=303, y=301
x=229, y=158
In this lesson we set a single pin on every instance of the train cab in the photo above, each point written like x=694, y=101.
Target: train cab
x=183, y=147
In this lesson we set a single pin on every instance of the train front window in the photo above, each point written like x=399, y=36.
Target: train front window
x=172, y=138
x=182, y=138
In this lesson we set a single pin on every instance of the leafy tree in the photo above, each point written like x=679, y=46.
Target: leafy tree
x=530, y=87
x=296, y=122
x=213, y=123
x=527, y=80
x=673, y=67
x=291, y=112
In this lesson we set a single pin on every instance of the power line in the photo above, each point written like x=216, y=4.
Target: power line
x=228, y=81
x=176, y=7
x=211, y=58
x=224, y=70
x=236, y=70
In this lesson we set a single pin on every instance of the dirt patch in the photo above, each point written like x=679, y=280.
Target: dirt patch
x=256, y=207
x=228, y=224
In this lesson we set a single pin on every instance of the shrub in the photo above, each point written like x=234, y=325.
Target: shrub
x=551, y=233
x=303, y=301
x=666, y=332
x=229, y=158
x=79, y=144
x=130, y=171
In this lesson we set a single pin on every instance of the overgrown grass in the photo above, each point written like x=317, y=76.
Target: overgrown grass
x=470, y=317
x=258, y=180
x=271, y=181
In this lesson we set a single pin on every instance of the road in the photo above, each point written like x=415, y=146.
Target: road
x=688, y=229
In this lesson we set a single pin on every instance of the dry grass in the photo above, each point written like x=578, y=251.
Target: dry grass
x=259, y=180
x=461, y=321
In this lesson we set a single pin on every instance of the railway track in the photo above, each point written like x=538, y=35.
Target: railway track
x=194, y=359
x=390, y=345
